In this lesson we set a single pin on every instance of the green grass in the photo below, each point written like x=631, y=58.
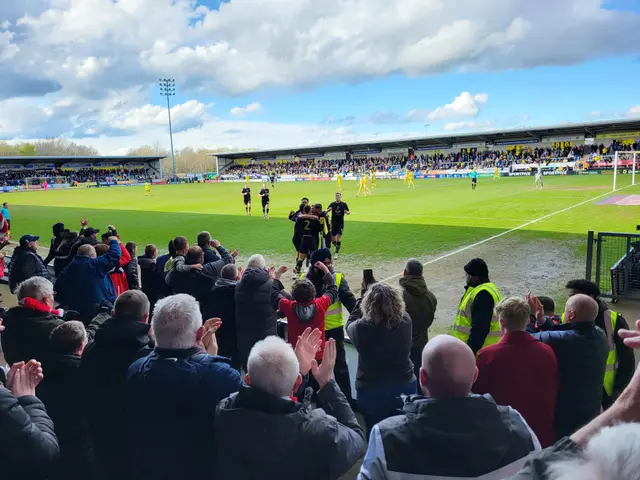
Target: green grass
x=437, y=216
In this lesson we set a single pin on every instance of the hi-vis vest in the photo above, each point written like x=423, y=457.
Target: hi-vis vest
x=610, y=320
x=334, y=318
x=462, y=327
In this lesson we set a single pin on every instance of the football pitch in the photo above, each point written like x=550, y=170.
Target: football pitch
x=530, y=238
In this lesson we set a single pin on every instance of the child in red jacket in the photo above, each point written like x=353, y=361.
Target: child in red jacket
x=302, y=308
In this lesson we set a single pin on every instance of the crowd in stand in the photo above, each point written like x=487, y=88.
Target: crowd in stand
x=186, y=365
x=434, y=160
x=17, y=177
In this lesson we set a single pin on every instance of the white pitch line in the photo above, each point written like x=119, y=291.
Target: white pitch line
x=506, y=232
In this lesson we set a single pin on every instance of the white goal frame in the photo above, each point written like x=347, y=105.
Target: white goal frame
x=51, y=179
x=628, y=155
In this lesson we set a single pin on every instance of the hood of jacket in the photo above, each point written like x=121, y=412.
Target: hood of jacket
x=251, y=410
x=225, y=284
x=147, y=263
x=123, y=333
x=305, y=313
x=255, y=276
x=463, y=425
x=57, y=229
x=414, y=285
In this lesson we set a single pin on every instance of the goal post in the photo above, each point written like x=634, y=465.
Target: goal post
x=626, y=162
x=53, y=181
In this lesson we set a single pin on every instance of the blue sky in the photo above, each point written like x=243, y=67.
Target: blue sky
x=302, y=72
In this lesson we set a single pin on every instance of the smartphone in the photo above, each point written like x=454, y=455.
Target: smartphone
x=367, y=275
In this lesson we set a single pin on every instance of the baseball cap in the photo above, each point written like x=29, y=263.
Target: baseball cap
x=27, y=239
x=90, y=231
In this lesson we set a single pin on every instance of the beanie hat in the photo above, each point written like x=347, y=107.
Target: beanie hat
x=477, y=268
x=321, y=255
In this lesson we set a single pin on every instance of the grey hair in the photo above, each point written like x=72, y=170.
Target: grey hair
x=87, y=251
x=256, y=261
x=273, y=366
x=383, y=305
x=612, y=453
x=413, y=267
x=35, y=287
x=514, y=312
x=176, y=320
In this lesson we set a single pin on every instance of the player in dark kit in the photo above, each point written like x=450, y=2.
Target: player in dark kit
x=338, y=210
x=264, y=194
x=325, y=236
x=246, y=192
x=272, y=177
x=308, y=227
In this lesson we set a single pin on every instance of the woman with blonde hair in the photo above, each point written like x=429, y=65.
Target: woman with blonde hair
x=380, y=329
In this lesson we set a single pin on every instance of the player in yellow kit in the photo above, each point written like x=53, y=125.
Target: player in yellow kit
x=496, y=174
x=373, y=179
x=339, y=182
x=410, y=177
x=363, y=188
x=147, y=189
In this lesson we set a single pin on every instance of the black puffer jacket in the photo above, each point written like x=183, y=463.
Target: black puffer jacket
x=26, y=334
x=56, y=241
x=327, y=441
x=221, y=303
x=25, y=263
x=28, y=444
x=255, y=316
x=62, y=392
x=104, y=366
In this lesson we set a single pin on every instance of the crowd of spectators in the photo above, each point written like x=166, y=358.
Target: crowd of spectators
x=13, y=178
x=185, y=365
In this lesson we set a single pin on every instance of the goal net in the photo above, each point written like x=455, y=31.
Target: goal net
x=38, y=183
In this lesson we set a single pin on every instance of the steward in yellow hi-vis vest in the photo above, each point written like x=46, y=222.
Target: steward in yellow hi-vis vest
x=334, y=322
x=620, y=361
x=476, y=323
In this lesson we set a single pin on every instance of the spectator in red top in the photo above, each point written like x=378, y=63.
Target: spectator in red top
x=302, y=308
x=519, y=371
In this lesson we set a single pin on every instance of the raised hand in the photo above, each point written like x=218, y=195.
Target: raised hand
x=281, y=271
x=23, y=379
x=324, y=373
x=631, y=337
x=307, y=346
x=235, y=253
x=215, y=243
x=209, y=341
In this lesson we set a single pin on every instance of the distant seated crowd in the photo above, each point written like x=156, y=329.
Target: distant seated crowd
x=185, y=365
x=434, y=160
x=17, y=177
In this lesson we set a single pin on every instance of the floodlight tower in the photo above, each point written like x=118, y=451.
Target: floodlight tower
x=168, y=89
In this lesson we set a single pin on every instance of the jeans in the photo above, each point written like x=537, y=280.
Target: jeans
x=341, y=369
x=377, y=402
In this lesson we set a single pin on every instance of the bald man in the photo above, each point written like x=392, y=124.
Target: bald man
x=581, y=349
x=448, y=432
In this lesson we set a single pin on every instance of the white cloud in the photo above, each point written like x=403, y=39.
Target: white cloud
x=468, y=125
x=634, y=111
x=464, y=105
x=254, y=107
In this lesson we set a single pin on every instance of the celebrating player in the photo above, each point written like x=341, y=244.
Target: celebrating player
x=147, y=189
x=325, y=236
x=308, y=227
x=539, y=182
x=338, y=210
x=246, y=193
x=474, y=179
x=264, y=194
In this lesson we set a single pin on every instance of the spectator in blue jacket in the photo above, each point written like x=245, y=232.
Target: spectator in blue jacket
x=172, y=393
x=85, y=283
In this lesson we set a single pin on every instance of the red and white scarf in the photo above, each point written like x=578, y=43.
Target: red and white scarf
x=38, y=306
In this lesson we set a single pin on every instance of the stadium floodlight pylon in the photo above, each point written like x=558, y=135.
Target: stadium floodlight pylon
x=622, y=159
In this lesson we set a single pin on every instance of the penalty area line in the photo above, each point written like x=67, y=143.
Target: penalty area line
x=506, y=232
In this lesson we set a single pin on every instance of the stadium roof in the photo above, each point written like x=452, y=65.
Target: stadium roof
x=70, y=159
x=591, y=129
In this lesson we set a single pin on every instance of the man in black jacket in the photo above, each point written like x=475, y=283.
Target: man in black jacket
x=320, y=444
x=28, y=444
x=449, y=418
x=220, y=303
x=581, y=349
x=62, y=392
x=87, y=236
x=58, y=236
x=120, y=341
x=207, y=244
x=149, y=275
x=198, y=283
x=255, y=316
x=26, y=263
x=624, y=363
